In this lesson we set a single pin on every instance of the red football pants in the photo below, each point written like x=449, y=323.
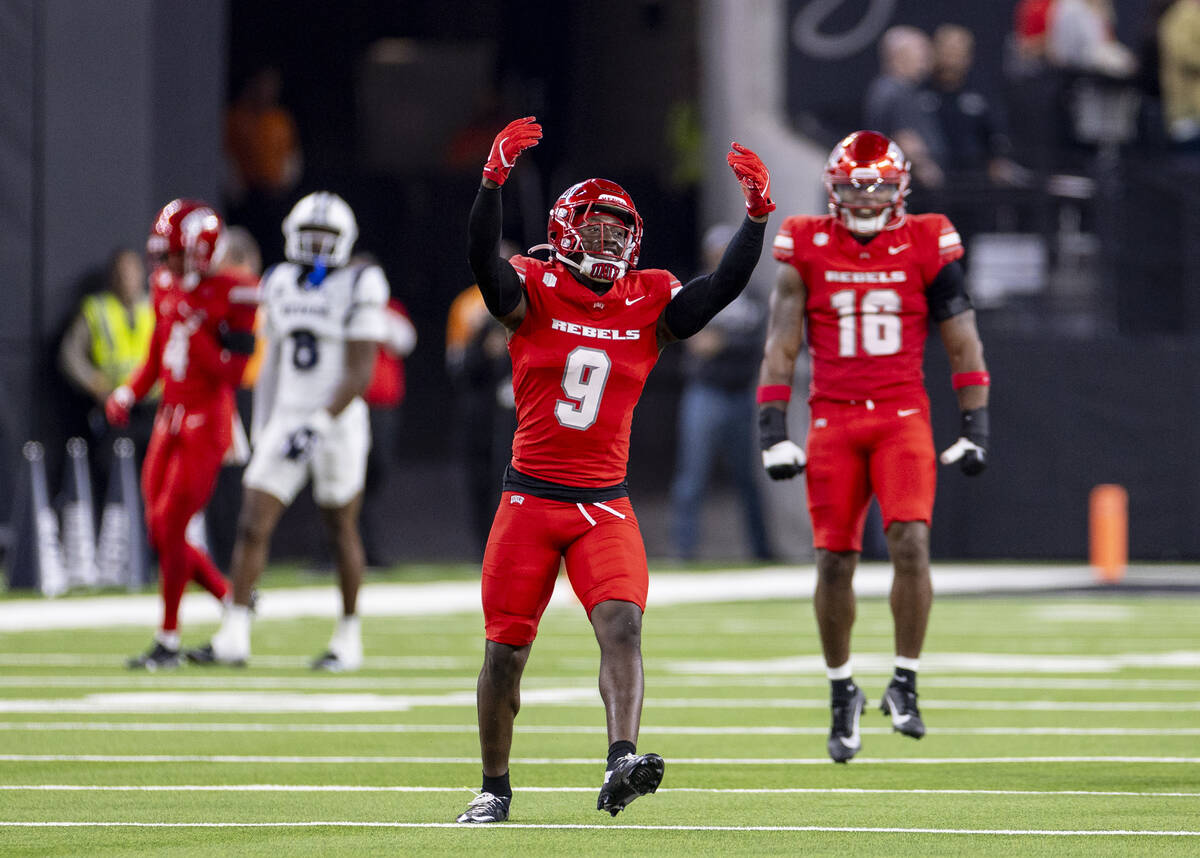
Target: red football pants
x=182, y=461
x=856, y=450
x=600, y=542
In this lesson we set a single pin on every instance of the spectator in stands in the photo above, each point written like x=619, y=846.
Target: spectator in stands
x=1179, y=44
x=1081, y=37
x=107, y=341
x=976, y=139
x=265, y=159
x=894, y=107
x=1027, y=56
x=717, y=413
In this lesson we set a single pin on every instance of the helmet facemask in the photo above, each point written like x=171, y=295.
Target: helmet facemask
x=866, y=205
x=598, y=243
x=320, y=231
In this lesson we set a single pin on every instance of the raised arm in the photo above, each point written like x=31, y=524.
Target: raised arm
x=497, y=281
x=702, y=298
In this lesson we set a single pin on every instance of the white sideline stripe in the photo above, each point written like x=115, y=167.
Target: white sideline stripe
x=256, y=680
x=462, y=597
x=586, y=789
x=268, y=727
x=844, y=829
x=561, y=761
x=185, y=702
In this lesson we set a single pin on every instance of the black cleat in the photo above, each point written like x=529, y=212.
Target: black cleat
x=631, y=776
x=205, y=655
x=486, y=807
x=901, y=703
x=844, y=738
x=158, y=657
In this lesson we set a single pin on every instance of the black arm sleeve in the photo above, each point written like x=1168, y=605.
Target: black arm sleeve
x=497, y=280
x=947, y=294
x=701, y=299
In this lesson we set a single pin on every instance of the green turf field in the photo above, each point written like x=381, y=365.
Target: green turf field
x=1059, y=725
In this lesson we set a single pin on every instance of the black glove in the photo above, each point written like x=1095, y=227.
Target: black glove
x=970, y=450
x=781, y=457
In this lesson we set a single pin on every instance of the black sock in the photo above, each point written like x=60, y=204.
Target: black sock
x=907, y=678
x=619, y=749
x=842, y=689
x=498, y=786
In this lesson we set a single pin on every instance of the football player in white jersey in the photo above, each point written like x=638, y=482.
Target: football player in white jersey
x=323, y=320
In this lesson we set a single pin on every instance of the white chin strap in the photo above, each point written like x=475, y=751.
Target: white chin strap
x=596, y=268
x=866, y=225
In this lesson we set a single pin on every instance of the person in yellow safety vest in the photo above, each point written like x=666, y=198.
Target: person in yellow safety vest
x=110, y=337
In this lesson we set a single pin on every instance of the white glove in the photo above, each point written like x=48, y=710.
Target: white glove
x=784, y=460
x=303, y=441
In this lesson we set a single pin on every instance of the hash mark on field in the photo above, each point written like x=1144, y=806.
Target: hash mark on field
x=844, y=829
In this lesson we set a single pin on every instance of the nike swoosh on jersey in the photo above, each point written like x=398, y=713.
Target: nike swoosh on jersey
x=631, y=301
x=908, y=412
x=899, y=247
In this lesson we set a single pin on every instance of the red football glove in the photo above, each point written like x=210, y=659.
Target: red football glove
x=118, y=405
x=517, y=136
x=752, y=173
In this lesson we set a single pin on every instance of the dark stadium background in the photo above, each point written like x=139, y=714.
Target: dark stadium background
x=110, y=109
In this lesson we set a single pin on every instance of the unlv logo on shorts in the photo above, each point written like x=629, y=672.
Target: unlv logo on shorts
x=516, y=499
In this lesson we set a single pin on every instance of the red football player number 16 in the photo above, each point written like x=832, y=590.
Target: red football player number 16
x=879, y=320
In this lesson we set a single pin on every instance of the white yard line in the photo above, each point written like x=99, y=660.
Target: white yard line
x=252, y=701
x=840, y=829
x=236, y=759
x=458, y=597
x=305, y=788
x=566, y=730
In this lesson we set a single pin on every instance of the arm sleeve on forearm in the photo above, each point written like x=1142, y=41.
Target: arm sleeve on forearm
x=707, y=295
x=497, y=281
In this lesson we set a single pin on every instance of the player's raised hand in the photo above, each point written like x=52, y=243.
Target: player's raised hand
x=754, y=178
x=970, y=450
x=517, y=136
x=118, y=406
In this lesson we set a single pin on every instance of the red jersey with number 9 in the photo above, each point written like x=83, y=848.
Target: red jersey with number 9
x=866, y=313
x=580, y=361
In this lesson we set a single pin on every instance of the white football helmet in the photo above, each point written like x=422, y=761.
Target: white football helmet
x=320, y=230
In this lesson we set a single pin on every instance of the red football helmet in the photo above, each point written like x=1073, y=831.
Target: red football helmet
x=867, y=178
x=595, y=228
x=190, y=228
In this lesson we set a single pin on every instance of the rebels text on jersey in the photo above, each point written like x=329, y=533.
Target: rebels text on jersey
x=866, y=312
x=580, y=361
x=312, y=324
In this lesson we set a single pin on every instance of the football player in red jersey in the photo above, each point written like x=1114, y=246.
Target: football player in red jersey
x=585, y=329
x=202, y=340
x=862, y=283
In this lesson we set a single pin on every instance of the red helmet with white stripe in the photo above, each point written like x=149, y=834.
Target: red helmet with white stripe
x=189, y=228
x=595, y=228
x=867, y=177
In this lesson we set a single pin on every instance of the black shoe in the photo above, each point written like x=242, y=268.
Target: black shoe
x=205, y=655
x=486, y=807
x=158, y=657
x=901, y=704
x=844, y=739
x=631, y=776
